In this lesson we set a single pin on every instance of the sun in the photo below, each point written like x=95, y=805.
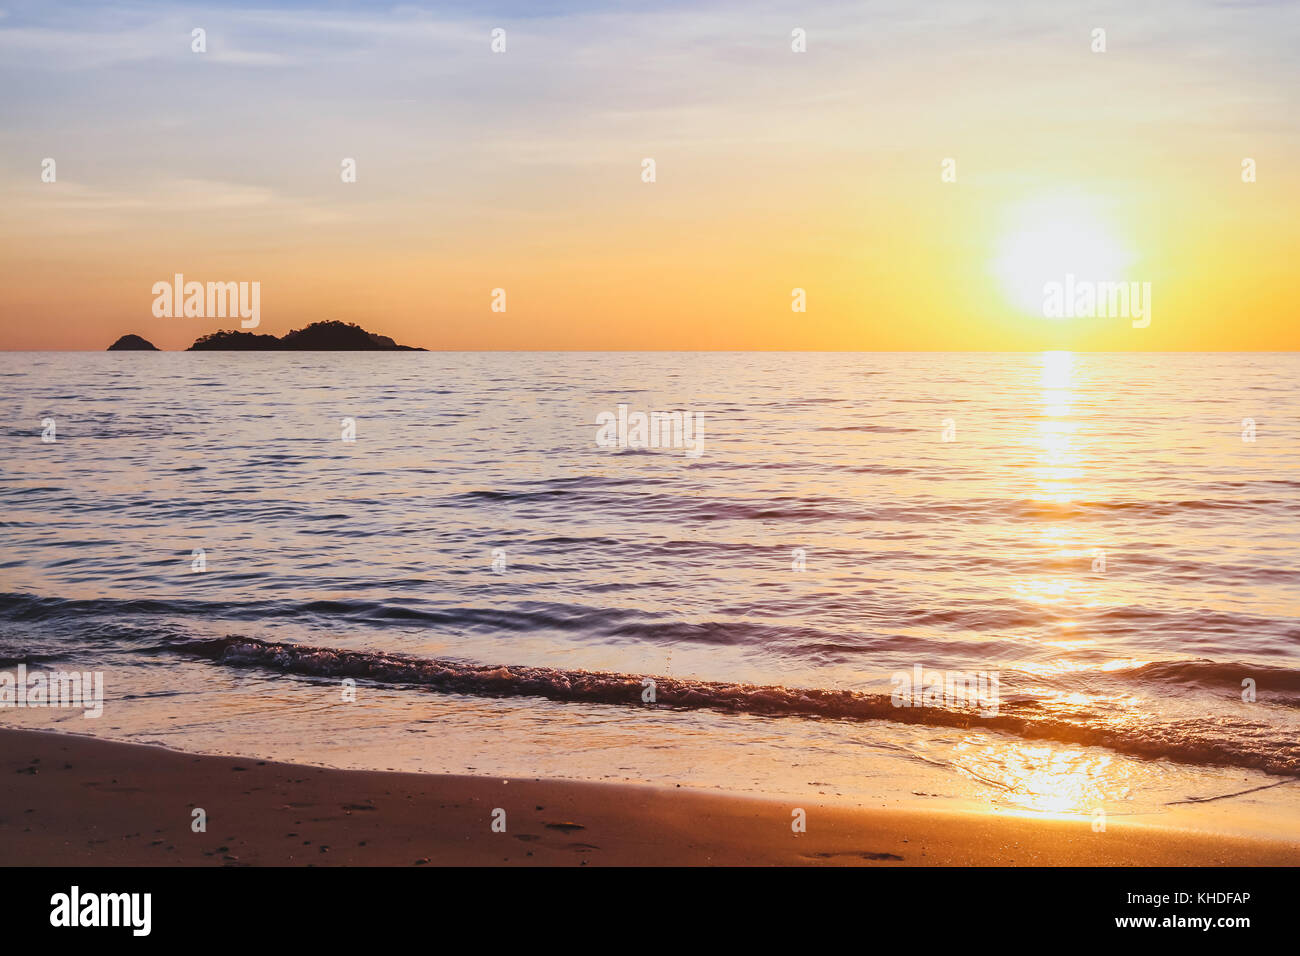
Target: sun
x=1044, y=239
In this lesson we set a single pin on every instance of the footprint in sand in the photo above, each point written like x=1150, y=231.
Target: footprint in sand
x=863, y=854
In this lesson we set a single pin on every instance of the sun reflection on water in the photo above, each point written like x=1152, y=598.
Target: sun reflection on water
x=1033, y=777
x=1040, y=778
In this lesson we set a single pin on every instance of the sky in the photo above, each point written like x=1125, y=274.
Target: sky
x=774, y=170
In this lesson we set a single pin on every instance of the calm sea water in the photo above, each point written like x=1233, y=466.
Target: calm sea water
x=1096, y=529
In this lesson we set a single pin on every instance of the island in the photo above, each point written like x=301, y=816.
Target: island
x=132, y=343
x=330, y=336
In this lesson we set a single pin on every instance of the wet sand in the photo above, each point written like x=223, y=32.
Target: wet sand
x=79, y=801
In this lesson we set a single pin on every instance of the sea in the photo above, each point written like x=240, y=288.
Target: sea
x=1053, y=582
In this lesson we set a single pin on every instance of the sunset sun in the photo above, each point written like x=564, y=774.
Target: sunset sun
x=1046, y=239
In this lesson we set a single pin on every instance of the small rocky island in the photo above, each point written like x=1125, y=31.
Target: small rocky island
x=332, y=336
x=132, y=343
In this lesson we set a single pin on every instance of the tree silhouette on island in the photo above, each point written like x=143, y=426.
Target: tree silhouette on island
x=331, y=336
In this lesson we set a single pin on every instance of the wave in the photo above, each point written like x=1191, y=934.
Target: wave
x=816, y=508
x=1214, y=674
x=533, y=615
x=875, y=621
x=1221, y=742
x=881, y=429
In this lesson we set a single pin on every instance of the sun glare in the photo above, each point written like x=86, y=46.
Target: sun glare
x=1045, y=239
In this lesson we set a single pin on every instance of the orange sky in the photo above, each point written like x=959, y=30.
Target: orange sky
x=775, y=170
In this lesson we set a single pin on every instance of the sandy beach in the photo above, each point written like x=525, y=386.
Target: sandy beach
x=79, y=801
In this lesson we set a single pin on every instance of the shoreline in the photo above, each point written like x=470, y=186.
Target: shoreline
x=69, y=800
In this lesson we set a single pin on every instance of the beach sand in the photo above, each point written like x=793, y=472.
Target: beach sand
x=79, y=801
